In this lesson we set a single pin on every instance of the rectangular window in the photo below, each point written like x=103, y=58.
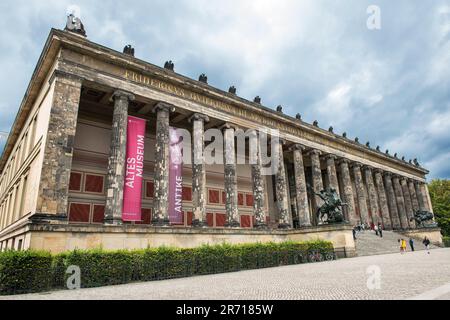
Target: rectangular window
x=213, y=196
x=149, y=189
x=221, y=219
x=75, y=181
x=98, y=215
x=146, y=216
x=187, y=194
x=93, y=183
x=210, y=219
x=79, y=212
x=249, y=199
x=224, y=198
x=189, y=218
x=240, y=199
x=246, y=221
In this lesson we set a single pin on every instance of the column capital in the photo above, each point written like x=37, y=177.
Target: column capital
x=314, y=152
x=355, y=165
x=378, y=171
x=329, y=156
x=120, y=94
x=343, y=160
x=228, y=125
x=366, y=167
x=198, y=116
x=164, y=107
x=297, y=146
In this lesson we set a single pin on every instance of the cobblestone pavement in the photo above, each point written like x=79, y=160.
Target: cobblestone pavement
x=402, y=277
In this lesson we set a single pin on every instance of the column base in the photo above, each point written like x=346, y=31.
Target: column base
x=160, y=222
x=284, y=226
x=260, y=226
x=199, y=224
x=232, y=224
x=113, y=222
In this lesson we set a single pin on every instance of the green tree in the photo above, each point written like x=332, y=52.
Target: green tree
x=440, y=199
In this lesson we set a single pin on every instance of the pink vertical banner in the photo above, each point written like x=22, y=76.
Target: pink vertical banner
x=175, y=176
x=134, y=170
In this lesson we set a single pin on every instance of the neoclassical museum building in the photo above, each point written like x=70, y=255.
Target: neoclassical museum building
x=63, y=172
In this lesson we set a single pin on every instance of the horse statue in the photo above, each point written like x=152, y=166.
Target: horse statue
x=420, y=217
x=331, y=210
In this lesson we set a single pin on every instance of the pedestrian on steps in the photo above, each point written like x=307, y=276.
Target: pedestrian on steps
x=376, y=230
x=426, y=243
x=411, y=244
x=402, y=246
x=380, y=230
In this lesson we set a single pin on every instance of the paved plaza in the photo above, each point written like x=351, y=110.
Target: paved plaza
x=412, y=275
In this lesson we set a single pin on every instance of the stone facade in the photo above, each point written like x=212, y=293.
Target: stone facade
x=78, y=75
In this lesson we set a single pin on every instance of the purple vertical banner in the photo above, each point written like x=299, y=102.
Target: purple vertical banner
x=175, y=176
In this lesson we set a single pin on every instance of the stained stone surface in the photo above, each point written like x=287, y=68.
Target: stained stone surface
x=230, y=178
x=420, y=197
x=316, y=179
x=373, y=199
x=360, y=193
x=281, y=191
x=58, y=151
x=412, y=193
x=300, y=186
x=117, y=158
x=348, y=192
x=161, y=180
x=198, y=170
x=257, y=180
x=331, y=172
x=400, y=202
x=392, y=201
x=408, y=203
x=384, y=207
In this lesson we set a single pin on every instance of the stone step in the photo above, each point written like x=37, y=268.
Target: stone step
x=368, y=243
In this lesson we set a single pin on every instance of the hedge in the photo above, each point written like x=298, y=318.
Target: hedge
x=446, y=241
x=34, y=271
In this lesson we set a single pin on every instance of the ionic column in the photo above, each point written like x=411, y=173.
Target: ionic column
x=300, y=187
x=198, y=170
x=360, y=193
x=316, y=180
x=161, y=180
x=400, y=202
x=117, y=158
x=392, y=201
x=408, y=202
x=230, y=177
x=348, y=192
x=257, y=180
x=281, y=191
x=412, y=192
x=383, y=200
x=331, y=172
x=372, y=193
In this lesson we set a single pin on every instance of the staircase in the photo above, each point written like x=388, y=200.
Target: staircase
x=368, y=244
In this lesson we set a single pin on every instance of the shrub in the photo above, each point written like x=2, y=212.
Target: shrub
x=446, y=241
x=30, y=271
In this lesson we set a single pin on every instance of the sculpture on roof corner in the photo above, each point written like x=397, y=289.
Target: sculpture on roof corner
x=129, y=50
x=331, y=211
x=75, y=25
x=169, y=65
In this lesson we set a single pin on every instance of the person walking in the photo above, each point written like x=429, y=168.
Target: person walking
x=376, y=230
x=402, y=246
x=380, y=230
x=354, y=233
x=411, y=244
x=426, y=243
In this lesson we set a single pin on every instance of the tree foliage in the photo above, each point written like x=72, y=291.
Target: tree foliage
x=440, y=199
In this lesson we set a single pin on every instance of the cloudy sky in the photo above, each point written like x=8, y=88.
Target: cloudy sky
x=390, y=86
